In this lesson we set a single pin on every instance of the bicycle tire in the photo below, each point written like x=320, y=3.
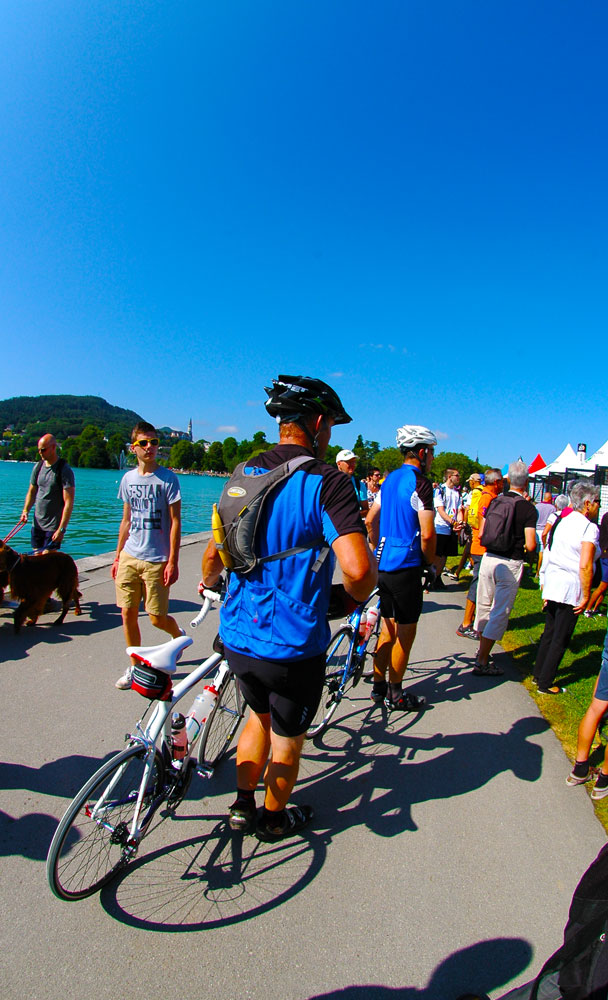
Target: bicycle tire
x=339, y=652
x=221, y=725
x=86, y=853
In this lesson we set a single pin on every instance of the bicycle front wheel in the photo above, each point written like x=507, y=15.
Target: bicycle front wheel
x=93, y=839
x=221, y=725
x=337, y=679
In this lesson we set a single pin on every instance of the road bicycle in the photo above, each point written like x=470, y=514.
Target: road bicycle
x=103, y=826
x=350, y=650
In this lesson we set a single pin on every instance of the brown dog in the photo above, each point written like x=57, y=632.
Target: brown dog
x=34, y=578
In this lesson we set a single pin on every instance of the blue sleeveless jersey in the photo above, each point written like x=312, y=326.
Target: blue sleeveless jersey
x=404, y=492
x=279, y=610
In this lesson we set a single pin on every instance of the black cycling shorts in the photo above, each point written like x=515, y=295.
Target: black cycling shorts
x=401, y=595
x=290, y=690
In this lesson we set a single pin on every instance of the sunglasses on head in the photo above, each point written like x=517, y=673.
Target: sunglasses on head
x=147, y=441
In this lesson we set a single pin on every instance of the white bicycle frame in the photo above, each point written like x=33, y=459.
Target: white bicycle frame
x=159, y=721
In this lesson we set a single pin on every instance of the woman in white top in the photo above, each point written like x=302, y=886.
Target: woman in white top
x=567, y=580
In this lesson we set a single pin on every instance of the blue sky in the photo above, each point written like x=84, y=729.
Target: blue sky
x=407, y=199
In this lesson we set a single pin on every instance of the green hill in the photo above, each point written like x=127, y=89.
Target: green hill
x=63, y=416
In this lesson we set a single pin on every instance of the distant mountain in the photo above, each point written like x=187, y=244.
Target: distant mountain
x=64, y=416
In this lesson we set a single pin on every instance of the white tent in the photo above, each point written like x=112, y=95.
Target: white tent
x=567, y=460
x=599, y=457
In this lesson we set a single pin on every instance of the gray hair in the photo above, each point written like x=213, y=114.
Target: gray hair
x=561, y=501
x=583, y=490
x=518, y=474
x=492, y=476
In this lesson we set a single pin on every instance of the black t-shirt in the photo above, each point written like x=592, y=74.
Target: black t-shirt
x=526, y=516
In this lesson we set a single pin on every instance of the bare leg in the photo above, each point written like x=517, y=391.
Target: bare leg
x=130, y=627
x=393, y=653
x=469, y=614
x=252, y=751
x=282, y=770
x=166, y=623
x=483, y=653
x=587, y=730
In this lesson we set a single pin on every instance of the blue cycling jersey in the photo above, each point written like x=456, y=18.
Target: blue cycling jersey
x=279, y=610
x=404, y=492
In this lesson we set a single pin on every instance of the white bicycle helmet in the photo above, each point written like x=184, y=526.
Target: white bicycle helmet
x=413, y=436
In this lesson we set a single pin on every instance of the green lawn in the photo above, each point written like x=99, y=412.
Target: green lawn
x=578, y=671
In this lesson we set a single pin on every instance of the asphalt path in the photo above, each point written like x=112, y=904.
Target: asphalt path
x=443, y=855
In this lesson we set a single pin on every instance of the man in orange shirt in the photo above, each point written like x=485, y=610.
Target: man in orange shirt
x=493, y=486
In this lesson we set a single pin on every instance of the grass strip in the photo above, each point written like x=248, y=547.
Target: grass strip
x=577, y=673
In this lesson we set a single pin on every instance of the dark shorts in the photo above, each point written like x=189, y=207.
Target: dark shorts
x=290, y=690
x=447, y=545
x=401, y=595
x=42, y=539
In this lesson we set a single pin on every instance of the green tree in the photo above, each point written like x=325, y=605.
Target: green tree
x=116, y=446
x=229, y=453
x=366, y=452
x=182, y=455
x=388, y=459
x=454, y=460
x=215, y=457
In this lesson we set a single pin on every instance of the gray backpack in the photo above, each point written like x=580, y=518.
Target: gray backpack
x=236, y=517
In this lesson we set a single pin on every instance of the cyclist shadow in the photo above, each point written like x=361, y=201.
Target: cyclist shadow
x=488, y=965
x=213, y=880
x=389, y=770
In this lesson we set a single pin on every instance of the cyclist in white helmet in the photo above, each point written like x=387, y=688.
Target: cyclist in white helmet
x=400, y=526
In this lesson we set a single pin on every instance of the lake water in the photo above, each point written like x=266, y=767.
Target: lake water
x=97, y=512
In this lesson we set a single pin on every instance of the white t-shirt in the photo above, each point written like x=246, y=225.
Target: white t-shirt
x=451, y=501
x=149, y=498
x=562, y=578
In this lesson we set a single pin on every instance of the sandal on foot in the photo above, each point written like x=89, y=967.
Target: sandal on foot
x=489, y=670
x=552, y=690
x=296, y=818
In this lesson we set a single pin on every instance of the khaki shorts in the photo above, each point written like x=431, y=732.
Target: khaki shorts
x=136, y=579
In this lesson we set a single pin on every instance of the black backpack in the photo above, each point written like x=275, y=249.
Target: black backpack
x=57, y=470
x=498, y=533
x=236, y=517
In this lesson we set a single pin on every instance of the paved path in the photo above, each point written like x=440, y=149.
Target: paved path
x=444, y=853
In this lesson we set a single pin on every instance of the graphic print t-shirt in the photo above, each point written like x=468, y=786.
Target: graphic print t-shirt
x=149, y=498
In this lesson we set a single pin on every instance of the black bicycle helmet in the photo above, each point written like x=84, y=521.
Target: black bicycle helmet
x=292, y=397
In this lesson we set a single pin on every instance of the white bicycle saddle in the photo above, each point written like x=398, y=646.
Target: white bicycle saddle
x=162, y=657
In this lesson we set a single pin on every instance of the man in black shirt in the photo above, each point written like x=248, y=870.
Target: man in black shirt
x=500, y=573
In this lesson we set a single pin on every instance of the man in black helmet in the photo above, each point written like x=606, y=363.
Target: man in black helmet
x=274, y=619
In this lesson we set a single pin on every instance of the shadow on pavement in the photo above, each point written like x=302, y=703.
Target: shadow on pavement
x=482, y=967
x=212, y=880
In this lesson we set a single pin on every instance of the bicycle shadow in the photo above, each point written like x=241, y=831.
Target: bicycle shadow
x=484, y=967
x=213, y=880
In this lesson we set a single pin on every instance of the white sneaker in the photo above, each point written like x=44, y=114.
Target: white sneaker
x=124, y=683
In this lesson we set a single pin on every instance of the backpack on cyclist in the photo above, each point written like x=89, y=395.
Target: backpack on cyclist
x=473, y=511
x=236, y=517
x=498, y=533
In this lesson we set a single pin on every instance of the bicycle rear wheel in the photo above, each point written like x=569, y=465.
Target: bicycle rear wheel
x=92, y=842
x=221, y=725
x=338, y=656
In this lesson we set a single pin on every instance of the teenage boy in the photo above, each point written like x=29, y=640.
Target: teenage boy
x=146, y=562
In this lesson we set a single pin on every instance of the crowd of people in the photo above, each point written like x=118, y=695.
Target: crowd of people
x=396, y=532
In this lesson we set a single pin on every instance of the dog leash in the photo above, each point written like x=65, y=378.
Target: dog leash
x=18, y=527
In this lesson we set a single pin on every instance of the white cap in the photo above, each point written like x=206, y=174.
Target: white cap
x=346, y=456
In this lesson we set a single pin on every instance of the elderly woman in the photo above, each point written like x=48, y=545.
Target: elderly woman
x=572, y=545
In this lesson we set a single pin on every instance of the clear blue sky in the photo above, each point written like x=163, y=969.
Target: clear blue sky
x=406, y=198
